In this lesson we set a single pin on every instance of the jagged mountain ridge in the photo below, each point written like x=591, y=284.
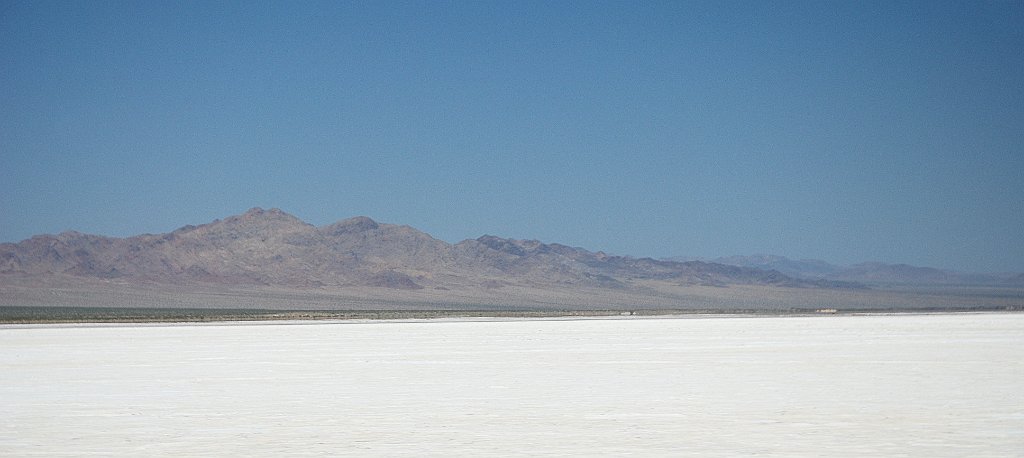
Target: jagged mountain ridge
x=271, y=247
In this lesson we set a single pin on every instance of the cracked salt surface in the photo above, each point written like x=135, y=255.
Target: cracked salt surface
x=913, y=385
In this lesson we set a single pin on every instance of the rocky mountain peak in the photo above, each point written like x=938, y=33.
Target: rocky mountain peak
x=259, y=219
x=259, y=214
x=504, y=245
x=351, y=226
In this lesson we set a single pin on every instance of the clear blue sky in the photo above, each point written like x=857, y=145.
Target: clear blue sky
x=847, y=131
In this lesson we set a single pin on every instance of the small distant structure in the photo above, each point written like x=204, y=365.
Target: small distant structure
x=826, y=311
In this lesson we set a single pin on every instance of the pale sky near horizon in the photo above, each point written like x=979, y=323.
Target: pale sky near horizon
x=843, y=131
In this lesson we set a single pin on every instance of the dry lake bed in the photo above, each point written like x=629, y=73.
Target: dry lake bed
x=898, y=385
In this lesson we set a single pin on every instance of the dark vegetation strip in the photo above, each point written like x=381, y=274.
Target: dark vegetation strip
x=35, y=315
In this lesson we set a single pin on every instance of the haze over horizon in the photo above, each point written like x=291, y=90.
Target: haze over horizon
x=876, y=131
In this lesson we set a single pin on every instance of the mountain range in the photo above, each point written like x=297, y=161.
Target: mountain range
x=269, y=259
x=271, y=247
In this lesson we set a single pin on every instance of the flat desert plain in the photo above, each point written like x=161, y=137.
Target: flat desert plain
x=896, y=385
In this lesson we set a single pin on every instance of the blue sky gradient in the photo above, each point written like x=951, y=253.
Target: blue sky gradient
x=844, y=131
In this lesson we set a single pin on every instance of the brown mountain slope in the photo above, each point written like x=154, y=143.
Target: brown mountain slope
x=270, y=247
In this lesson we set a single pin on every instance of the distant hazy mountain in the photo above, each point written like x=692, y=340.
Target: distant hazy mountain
x=804, y=268
x=270, y=247
x=869, y=272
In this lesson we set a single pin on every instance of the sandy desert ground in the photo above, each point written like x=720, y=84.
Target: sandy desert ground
x=898, y=385
x=71, y=291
